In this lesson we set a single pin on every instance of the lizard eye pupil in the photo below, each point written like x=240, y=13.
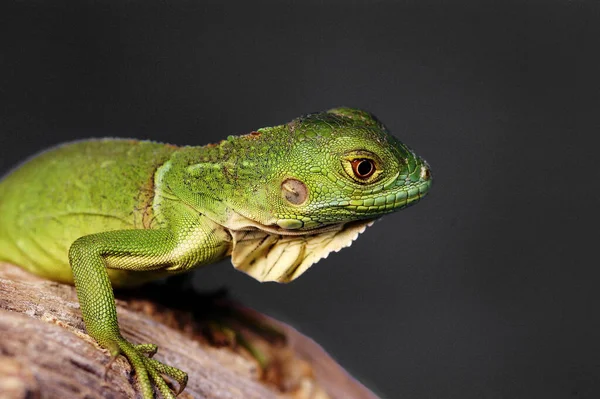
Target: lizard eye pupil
x=363, y=168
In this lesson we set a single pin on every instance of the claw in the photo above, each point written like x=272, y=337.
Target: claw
x=147, y=349
x=158, y=380
x=257, y=354
x=110, y=362
x=180, y=376
x=149, y=370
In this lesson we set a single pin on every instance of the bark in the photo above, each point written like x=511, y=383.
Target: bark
x=45, y=352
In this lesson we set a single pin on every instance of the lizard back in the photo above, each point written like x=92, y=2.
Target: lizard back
x=72, y=190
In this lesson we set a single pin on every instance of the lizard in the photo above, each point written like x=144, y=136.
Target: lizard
x=104, y=213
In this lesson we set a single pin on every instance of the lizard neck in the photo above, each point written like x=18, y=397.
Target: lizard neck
x=225, y=178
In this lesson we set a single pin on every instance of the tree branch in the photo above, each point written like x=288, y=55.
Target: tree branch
x=45, y=352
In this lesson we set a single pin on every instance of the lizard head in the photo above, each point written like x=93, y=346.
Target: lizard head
x=343, y=165
x=326, y=178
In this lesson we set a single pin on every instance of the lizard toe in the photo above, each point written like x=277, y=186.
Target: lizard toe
x=148, y=371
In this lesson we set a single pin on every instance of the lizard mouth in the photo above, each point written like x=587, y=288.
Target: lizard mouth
x=405, y=196
x=239, y=222
x=408, y=192
x=298, y=231
x=399, y=194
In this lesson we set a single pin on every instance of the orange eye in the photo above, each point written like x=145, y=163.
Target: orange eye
x=363, y=168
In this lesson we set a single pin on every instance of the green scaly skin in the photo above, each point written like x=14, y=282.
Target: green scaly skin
x=114, y=212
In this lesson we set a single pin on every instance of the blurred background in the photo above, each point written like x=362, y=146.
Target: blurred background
x=486, y=289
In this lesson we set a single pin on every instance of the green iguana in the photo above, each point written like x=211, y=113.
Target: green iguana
x=106, y=213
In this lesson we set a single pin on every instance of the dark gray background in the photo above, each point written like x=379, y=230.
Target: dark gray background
x=488, y=288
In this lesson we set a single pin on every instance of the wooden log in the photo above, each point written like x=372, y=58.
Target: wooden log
x=45, y=352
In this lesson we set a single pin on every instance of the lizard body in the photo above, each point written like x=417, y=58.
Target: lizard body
x=115, y=212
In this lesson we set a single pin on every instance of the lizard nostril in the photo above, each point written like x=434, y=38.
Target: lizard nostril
x=425, y=173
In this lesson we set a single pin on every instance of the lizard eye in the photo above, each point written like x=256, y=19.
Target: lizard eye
x=363, y=168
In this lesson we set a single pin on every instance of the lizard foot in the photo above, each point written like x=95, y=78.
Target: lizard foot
x=229, y=325
x=148, y=370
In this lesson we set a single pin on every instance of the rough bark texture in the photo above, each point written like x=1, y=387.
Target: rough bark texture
x=45, y=352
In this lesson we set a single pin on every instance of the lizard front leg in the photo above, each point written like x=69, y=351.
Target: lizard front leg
x=138, y=250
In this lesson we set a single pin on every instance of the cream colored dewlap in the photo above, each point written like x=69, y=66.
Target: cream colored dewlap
x=282, y=258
